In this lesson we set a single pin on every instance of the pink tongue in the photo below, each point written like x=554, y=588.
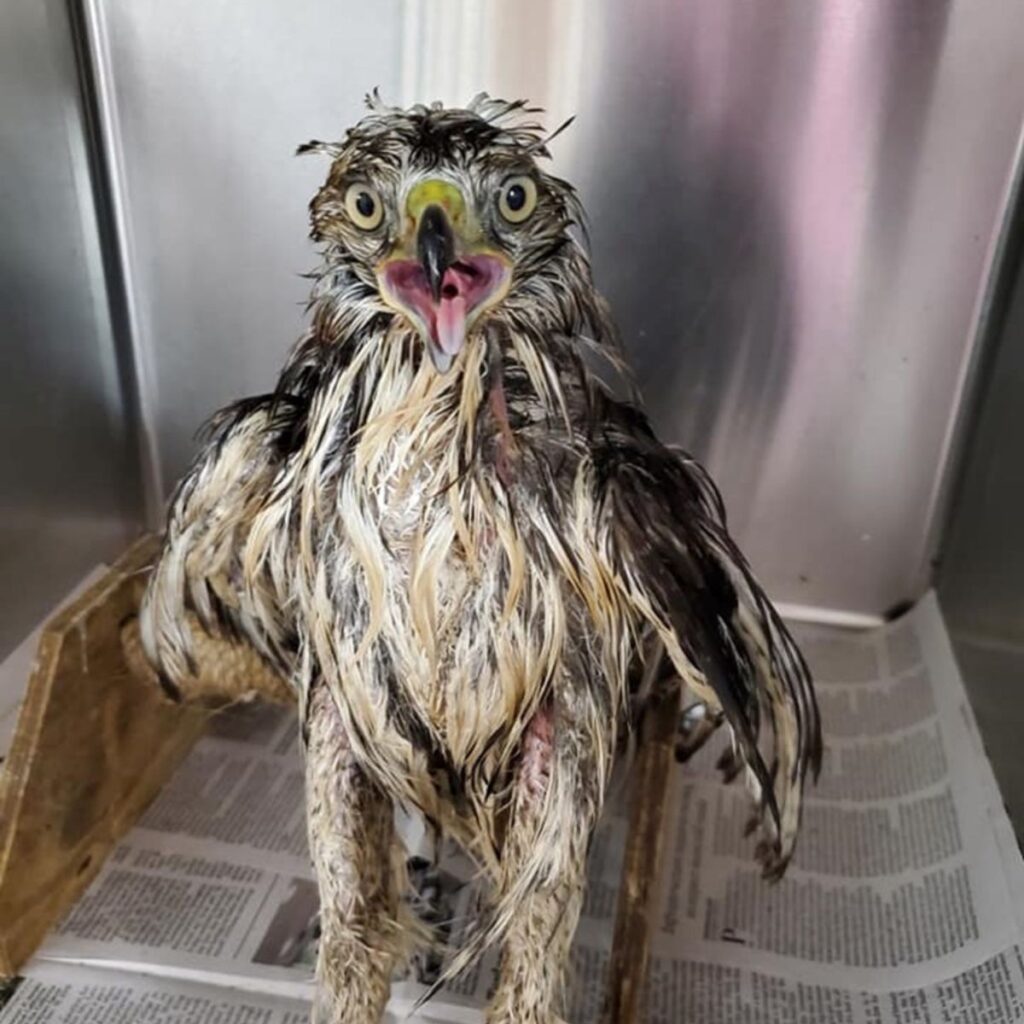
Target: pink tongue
x=451, y=324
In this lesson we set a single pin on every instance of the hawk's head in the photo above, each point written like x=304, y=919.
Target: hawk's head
x=444, y=217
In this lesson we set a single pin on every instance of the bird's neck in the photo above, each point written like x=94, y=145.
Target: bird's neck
x=400, y=410
x=403, y=412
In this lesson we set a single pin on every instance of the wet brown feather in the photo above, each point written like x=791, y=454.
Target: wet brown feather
x=355, y=527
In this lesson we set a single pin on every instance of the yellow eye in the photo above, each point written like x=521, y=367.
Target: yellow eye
x=363, y=205
x=518, y=198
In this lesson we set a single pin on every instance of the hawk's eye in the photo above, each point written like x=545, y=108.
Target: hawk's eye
x=517, y=198
x=363, y=205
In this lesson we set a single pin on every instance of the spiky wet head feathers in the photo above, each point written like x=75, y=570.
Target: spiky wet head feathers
x=395, y=162
x=480, y=145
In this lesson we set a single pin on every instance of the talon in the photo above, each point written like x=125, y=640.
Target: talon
x=697, y=724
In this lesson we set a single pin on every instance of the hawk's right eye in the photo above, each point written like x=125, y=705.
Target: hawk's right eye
x=517, y=198
x=364, y=206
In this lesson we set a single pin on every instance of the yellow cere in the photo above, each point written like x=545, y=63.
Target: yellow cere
x=436, y=192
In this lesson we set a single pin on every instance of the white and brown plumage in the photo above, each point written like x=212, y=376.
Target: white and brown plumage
x=458, y=548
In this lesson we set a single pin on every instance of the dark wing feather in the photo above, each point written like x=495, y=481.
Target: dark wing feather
x=669, y=533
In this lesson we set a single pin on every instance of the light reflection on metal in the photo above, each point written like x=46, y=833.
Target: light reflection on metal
x=791, y=207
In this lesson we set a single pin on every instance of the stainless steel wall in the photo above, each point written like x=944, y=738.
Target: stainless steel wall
x=68, y=480
x=981, y=571
x=793, y=205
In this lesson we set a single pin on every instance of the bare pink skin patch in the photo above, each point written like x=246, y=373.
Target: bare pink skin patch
x=506, y=439
x=538, y=751
x=468, y=286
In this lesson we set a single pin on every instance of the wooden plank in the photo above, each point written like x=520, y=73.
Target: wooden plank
x=93, y=746
x=649, y=784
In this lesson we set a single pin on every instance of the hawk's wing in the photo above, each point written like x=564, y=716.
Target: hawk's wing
x=687, y=577
x=207, y=605
x=219, y=592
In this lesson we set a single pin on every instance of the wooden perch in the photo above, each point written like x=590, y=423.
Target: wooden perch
x=93, y=745
x=649, y=783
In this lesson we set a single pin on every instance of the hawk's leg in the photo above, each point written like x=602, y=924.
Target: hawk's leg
x=535, y=957
x=351, y=832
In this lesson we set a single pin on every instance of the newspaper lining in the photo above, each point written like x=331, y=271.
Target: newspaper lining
x=904, y=903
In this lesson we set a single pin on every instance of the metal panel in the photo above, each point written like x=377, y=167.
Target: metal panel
x=981, y=572
x=208, y=102
x=68, y=497
x=792, y=209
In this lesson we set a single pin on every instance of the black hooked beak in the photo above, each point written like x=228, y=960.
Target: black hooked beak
x=435, y=247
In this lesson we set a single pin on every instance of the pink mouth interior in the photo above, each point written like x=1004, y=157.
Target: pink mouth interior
x=467, y=284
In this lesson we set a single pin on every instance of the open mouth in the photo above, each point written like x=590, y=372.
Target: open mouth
x=467, y=287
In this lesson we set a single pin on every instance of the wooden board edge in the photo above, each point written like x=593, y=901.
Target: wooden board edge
x=62, y=638
x=627, y=966
x=21, y=938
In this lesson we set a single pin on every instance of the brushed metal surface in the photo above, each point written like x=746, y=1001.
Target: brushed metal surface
x=208, y=102
x=792, y=207
x=981, y=572
x=68, y=486
x=992, y=676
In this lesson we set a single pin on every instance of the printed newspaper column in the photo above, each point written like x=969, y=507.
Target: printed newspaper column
x=896, y=899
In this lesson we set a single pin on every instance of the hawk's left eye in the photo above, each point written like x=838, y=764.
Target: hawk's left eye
x=517, y=198
x=363, y=205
